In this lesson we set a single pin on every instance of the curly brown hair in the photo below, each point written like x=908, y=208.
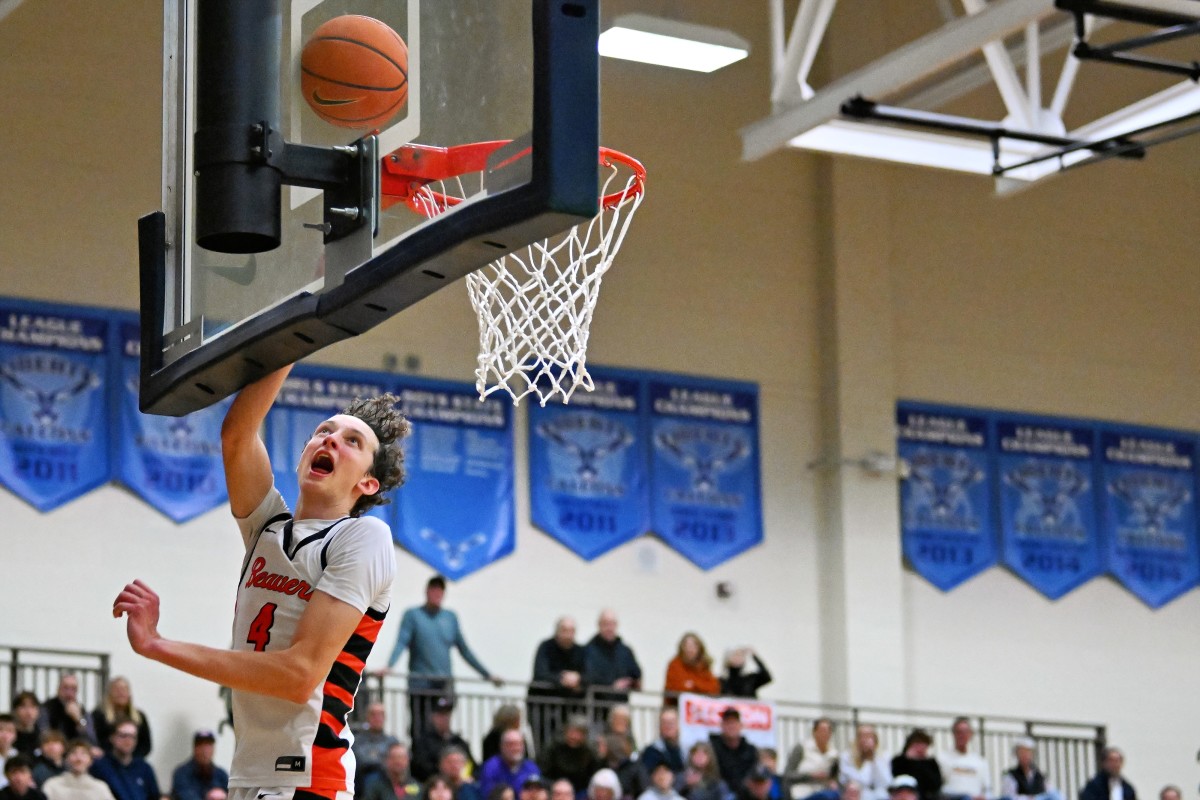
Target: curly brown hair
x=390, y=426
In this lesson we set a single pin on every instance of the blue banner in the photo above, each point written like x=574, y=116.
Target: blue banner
x=588, y=485
x=946, y=498
x=53, y=405
x=455, y=512
x=705, y=487
x=1048, y=519
x=1150, y=512
x=173, y=463
x=310, y=395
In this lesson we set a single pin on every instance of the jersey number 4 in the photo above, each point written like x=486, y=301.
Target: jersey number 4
x=260, y=628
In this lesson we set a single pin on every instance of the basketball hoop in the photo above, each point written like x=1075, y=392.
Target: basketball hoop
x=535, y=304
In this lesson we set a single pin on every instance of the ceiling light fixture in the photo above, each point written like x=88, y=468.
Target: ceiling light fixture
x=670, y=43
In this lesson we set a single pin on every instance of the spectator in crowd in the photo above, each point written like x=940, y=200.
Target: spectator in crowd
x=371, y=745
x=116, y=707
x=736, y=681
x=8, y=735
x=506, y=718
x=1025, y=781
x=563, y=789
x=1108, y=783
x=1170, y=792
x=534, y=789
x=502, y=792
x=570, y=757
x=392, y=781
x=735, y=756
x=865, y=765
x=916, y=761
x=76, y=783
x=64, y=713
x=662, y=784
x=454, y=765
x=428, y=746
x=609, y=662
x=690, y=670
x=964, y=774
x=769, y=757
x=557, y=687
x=700, y=778
x=812, y=766
x=192, y=779
x=50, y=759
x=428, y=632
x=437, y=788
x=904, y=787
x=615, y=754
x=125, y=772
x=757, y=784
x=216, y=793
x=604, y=785
x=851, y=791
x=25, y=711
x=19, y=772
x=509, y=767
x=666, y=747
x=620, y=724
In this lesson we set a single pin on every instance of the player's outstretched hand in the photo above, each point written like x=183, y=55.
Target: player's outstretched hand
x=497, y=682
x=139, y=603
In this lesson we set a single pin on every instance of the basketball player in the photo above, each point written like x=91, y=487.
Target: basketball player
x=314, y=589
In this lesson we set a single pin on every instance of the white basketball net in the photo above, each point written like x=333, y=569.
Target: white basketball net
x=535, y=305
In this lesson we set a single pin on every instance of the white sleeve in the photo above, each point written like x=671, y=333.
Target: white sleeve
x=272, y=505
x=360, y=564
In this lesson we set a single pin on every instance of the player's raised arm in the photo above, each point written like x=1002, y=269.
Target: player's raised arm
x=247, y=465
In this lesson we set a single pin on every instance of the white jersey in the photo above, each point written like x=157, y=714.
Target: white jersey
x=280, y=743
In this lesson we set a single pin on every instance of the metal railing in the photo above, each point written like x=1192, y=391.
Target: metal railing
x=37, y=670
x=1067, y=752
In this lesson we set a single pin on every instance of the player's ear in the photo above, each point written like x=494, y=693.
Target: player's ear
x=369, y=484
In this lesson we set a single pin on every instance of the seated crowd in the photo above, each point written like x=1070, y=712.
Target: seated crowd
x=54, y=750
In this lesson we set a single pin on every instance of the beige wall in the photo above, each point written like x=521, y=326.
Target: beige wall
x=837, y=285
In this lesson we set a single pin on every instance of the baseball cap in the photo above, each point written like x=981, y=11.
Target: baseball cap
x=204, y=735
x=731, y=713
x=535, y=782
x=443, y=703
x=903, y=782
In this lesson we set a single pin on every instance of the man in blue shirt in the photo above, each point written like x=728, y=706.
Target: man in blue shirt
x=428, y=632
x=129, y=777
x=510, y=767
x=193, y=778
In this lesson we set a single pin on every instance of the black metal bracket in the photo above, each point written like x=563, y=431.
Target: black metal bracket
x=1171, y=27
x=861, y=108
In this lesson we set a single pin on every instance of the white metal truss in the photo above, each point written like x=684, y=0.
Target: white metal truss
x=812, y=119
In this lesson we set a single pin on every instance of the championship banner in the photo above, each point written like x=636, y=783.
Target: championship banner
x=588, y=485
x=173, y=463
x=310, y=395
x=1150, y=512
x=700, y=717
x=455, y=512
x=1048, y=511
x=705, y=486
x=946, y=498
x=54, y=409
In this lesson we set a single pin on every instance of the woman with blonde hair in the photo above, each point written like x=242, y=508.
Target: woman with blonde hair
x=864, y=764
x=690, y=670
x=117, y=707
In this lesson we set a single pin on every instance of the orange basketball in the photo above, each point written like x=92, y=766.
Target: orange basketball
x=354, y=72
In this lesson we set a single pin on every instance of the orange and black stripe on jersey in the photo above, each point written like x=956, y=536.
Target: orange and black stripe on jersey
x=329, y=748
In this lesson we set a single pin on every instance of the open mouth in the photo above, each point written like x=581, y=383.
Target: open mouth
x=322, y=464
